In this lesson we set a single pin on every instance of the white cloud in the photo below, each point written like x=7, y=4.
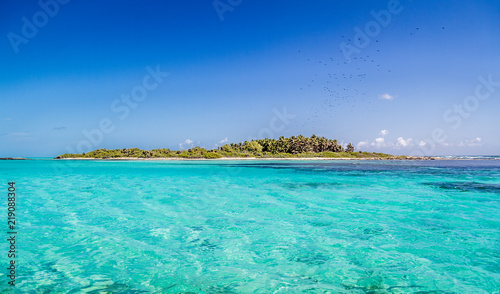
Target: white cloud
x=7, y=119
x=382, y=141
x=188, y=143
x=379, y=142
x=386, y=96
x=404, y=143
x=223, y=141
x=361, y=144
x=471, y=143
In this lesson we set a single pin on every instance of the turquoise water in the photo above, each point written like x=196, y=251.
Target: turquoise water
x=255, y=227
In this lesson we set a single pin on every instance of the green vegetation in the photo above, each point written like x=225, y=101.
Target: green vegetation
x=292, y=147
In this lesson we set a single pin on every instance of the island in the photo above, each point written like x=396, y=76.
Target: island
x=13, y=158
x=294, y=147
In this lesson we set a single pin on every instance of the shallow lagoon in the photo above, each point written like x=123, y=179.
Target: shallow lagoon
x=256, y=226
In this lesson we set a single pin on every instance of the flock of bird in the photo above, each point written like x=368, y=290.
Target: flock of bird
x=343, y=84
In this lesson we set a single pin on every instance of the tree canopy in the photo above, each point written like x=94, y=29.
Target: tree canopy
x=282, y=147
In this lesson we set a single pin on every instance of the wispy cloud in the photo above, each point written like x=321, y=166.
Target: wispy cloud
x=188, y=143
x=222, y=142
x=361, y=144
x=19, y=134
x=471, y=143
x=382, y=141
x=386, y=96
x=59, y=128
x=402, y=143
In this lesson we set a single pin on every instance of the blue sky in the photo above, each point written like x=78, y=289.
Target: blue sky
x=423, y=76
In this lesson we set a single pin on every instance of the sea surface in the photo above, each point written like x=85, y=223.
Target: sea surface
x=253, y=226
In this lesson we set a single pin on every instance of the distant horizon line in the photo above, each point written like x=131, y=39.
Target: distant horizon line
x=447, y=155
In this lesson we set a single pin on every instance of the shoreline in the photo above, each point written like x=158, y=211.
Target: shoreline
x=13, y=158
x=248, y=158
x=409, y=158
x=257, y=159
